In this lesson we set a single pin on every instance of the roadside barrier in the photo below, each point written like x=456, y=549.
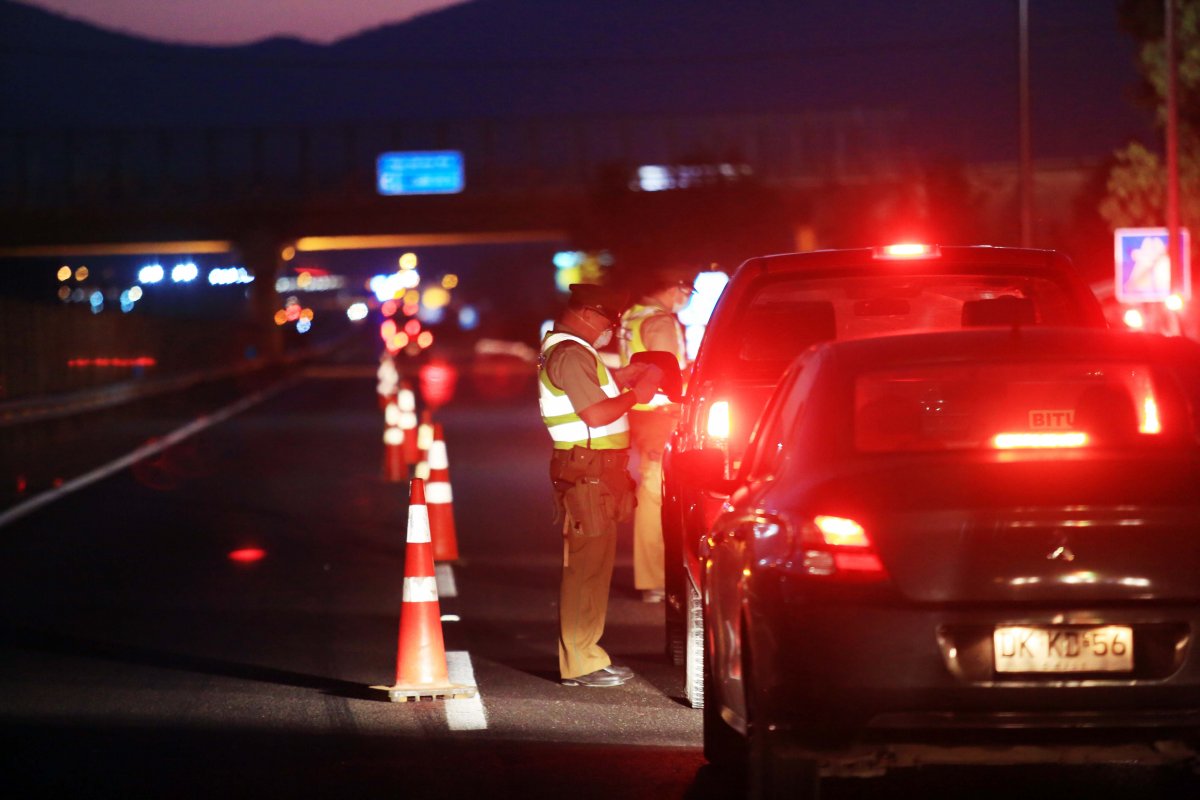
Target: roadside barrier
x=421, y=669
x=441, y=501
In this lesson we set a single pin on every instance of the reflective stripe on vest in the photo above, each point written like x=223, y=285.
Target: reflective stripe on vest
x=632, y=342
x=566, y=427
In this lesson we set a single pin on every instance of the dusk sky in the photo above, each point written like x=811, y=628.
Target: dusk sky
x=240, y=21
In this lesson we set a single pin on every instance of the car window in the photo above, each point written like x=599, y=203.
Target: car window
x=1017, y=406
x=782, y=317
x=780, y=417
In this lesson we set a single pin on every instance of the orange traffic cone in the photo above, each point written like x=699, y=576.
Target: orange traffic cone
x=424, y=442
x=441, y=501
x=408, y=421
x=395, y=468
x=421, y=669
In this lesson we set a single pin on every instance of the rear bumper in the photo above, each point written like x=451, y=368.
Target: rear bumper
x=831, y=674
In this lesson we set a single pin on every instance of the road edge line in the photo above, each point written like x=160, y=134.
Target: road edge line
x=145, y=451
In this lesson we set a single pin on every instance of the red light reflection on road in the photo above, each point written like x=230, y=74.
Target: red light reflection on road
x=247, y=555
x=140, y=361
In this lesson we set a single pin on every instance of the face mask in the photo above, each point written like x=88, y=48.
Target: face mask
x=603, y=339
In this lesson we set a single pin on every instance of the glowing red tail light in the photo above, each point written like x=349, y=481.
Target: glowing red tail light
x=717, y=425
x=839, y=547
x=907, y=250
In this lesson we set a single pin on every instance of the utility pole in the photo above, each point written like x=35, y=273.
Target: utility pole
x=1025, y=167
x=1174, y=240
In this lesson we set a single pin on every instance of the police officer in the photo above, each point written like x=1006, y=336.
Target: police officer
x=585, y=410
x=651, y=324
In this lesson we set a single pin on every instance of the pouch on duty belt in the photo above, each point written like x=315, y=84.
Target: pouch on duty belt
x=593, y=489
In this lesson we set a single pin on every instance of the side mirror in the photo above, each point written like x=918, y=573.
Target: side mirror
x=704, y=468
x=672, y=381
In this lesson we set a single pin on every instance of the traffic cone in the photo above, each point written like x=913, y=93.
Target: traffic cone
x=395, y=468
x=421, y=669
x=408, y=421
x=424, y=441
x=441, y=501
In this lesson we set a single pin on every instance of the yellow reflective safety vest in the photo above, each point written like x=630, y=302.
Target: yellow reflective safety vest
x=562, y=419
x=632, y=342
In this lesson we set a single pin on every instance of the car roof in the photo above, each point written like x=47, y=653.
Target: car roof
x=1032, y=343
x=950, y=259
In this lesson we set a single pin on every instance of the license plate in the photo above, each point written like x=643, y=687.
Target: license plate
x=1032, y=648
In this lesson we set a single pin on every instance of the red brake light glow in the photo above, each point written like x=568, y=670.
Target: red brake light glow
x=839, y=547
x=717, y=426
x=1149, y=422
x=247, y=555
x=1039, y=441
x=907, y=250
x=841, y=532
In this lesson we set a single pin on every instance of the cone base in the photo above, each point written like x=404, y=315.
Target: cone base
x=402, y=693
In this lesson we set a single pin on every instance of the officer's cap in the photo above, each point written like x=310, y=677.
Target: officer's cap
x=601, y=299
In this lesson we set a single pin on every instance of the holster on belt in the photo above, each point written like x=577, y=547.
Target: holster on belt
x=592, y=489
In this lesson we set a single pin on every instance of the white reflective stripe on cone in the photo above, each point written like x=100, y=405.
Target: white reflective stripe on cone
x=437, y=456
x=420, y=590
x=408, y=420
x=408, y=401
x=394, y=436
x=418, y=524
x=391, y=415
x=422, y=470
x=438, y=492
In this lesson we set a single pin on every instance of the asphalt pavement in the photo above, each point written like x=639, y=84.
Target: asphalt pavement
x=138, y=659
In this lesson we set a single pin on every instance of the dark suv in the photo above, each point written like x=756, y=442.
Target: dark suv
x=775, y=307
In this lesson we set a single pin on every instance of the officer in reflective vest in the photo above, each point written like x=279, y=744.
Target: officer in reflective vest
x=651, y=324
x=585, y=411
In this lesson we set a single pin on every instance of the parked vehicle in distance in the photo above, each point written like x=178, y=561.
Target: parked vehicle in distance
x=775, y=307
x=938, y=545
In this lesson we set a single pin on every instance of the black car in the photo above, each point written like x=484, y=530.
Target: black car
x=776, y=306
x=972, y=539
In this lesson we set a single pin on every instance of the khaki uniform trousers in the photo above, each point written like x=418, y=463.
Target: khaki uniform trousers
x=650, y=431
x=583, y=602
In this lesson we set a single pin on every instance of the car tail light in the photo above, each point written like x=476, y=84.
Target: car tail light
x=716, y=425
x=1039, y=441
x=839, y=547
x=907, y=250
x=1148, y=421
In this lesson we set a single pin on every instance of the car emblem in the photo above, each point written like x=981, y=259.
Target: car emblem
x=1061, y=553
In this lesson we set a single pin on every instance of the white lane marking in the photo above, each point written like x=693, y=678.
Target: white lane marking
x=464, y=714
x=446, y=586
x=145, y=451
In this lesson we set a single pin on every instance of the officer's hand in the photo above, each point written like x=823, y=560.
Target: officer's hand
x=646, y=386
x=628, y=374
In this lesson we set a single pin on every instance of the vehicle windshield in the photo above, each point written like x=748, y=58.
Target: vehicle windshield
x=786, y=316
x=1018, y=406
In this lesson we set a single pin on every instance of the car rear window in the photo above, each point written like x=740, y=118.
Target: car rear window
x=1017, y=406
x=783, y=317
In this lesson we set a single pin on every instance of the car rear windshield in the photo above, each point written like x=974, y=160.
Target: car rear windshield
x=1018, y=406
x=784, y=317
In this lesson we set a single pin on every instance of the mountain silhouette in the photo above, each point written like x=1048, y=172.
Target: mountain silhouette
x=948, y=65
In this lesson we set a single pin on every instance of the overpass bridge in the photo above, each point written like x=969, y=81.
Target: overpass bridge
x=742, y=185
x=66, y=190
